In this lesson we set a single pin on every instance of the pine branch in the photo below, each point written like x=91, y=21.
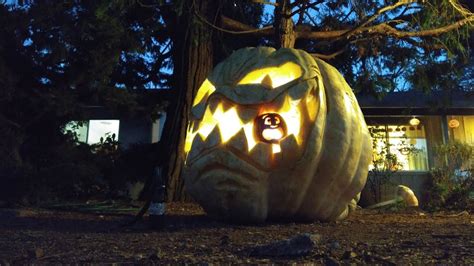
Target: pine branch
x=263, y=2
x=379, y=29
x=375, y=16
x=235, y=27
x=328, y=56
x=306, y=6
x=385, y=29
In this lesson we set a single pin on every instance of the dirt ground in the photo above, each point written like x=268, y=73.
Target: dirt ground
x=45, y=236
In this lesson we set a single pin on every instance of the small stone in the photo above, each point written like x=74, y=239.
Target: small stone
x=39, y=252
x=334, y=245
x=299, y=245
x=155, y=255
x=139, y=256
x=330, y=261
x=349, y=254
x=225, y=240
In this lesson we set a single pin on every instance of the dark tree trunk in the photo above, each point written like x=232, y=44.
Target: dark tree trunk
x=193, y=59
x=284, y=28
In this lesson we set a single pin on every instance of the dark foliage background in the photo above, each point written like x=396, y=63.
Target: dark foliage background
x=58, y=57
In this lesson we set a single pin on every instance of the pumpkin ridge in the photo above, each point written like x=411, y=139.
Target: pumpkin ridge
x=321, y=161
x=336, y=93
x=236, y=153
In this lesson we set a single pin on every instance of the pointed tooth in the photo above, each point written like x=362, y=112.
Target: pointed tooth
x=267, y=82
x=247, y=114
x=213, y=139
x=213, y=103
x=198, y=110
x=196, y=148
x=262, y=154
x=226, y=105
x=194, y=125
x=239, y=141
x=290, y=148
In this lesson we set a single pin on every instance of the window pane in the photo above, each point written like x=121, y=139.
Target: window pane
x=79, y=128
x=405, y=145
x=462, y=128
x=101, y=129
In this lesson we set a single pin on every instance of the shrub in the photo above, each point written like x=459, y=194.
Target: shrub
x=452, y=180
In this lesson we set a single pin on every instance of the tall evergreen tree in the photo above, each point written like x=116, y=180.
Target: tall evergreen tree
x=56, y=57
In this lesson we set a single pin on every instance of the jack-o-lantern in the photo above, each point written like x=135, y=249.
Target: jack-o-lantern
x=276, y=134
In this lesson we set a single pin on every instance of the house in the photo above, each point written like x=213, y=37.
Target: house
x=127, y=130
x=419, y=120
x=402, y=119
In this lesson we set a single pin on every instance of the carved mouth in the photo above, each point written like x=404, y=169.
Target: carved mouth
x=227, y=126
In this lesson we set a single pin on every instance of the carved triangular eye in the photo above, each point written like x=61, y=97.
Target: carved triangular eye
x=267, y=81
x=273, y=77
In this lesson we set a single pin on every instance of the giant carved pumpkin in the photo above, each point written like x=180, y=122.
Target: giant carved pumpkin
x=276, y=134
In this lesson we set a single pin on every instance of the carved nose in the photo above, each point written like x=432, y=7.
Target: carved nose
x=270, y=127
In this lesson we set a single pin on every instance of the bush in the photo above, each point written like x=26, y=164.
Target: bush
x=75, y=171
x=453, y=179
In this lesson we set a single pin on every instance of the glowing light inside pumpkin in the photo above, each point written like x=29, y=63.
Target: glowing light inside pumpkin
x=229, y=124
x=205, y=90
x=251, y=142
x=273, y=76
x=270, y=127
x=453, y=123
x=292, y=115
x=276, y=148
x=272, y=134
x=312, y=106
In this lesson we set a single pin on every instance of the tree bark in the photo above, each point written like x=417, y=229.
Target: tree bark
x=285, y=30
x=193, y=59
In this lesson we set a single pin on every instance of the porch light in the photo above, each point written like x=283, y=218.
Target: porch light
x=414, y=121
x=453, y=123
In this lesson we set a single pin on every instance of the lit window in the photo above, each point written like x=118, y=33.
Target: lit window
x=462, y=128
x=79, y=128
x=399, y=147
x=102, y=129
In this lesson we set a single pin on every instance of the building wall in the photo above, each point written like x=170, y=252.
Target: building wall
x=415, y=180
x=434, y=135
x=134, y=131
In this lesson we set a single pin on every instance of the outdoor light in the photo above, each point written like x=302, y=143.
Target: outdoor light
x=275, y=134
x=414, y=121
x=453, y=123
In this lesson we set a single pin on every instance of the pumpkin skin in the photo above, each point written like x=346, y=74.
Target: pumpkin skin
x=318, y=167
